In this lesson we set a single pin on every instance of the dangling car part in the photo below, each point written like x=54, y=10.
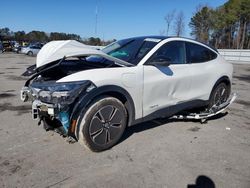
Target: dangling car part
x=204, y=116
x=92, y=95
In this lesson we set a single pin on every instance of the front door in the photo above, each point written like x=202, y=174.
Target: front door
x=166, y=85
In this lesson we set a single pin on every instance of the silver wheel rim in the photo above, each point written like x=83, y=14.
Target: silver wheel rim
x=220, y=96
x=106, y=125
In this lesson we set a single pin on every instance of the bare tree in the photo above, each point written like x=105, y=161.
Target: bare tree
x=179, y=24
x=169, y=18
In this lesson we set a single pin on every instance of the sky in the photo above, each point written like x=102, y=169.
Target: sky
x=115, y=19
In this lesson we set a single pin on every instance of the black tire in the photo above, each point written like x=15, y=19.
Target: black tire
x=103, y=124
x=219, y=95
x=30, y=53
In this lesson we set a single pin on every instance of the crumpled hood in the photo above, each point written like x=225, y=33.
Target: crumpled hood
x=56, y=50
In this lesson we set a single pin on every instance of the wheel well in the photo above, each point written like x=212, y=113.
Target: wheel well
x=113, y=91
x=117, y=95
x=223, y=79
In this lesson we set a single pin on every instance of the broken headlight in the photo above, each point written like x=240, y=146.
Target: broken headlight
x=62, y=92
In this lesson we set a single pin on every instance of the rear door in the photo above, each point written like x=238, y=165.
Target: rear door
x=202, y=60
x=165, y=86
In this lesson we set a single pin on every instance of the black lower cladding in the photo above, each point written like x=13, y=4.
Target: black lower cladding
x=172, y=110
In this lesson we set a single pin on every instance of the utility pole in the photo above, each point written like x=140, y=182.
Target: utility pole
x=96, y=17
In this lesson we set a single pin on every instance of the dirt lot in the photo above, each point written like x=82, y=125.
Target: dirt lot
x=158, y=153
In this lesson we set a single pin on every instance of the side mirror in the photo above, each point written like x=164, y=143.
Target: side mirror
x=161, y=61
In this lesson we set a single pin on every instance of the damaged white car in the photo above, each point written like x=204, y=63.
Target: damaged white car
x=92, y=95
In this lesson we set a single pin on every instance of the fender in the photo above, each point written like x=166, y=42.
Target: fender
x=116, y=91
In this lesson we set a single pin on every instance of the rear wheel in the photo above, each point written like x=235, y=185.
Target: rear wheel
x=219, y=95
x=103, y=124
x=30, y=53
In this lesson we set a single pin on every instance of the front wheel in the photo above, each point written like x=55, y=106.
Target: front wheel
x=219, y=95
x=103, y=124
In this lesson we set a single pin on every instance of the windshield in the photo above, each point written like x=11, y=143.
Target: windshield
x=123, y=49
x=129, y=50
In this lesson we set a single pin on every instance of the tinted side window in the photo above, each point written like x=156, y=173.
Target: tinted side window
x=198, y=54
x=35, y=47
x=173, y=51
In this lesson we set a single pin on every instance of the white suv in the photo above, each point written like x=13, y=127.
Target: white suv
x=93, y=95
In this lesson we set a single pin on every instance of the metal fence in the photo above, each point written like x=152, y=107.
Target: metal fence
x=236, y=56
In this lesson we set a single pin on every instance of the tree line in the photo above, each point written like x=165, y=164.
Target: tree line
x=40, y=36
x=227, y=26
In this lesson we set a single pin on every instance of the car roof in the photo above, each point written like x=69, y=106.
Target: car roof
x=149, y=36
x=166, y=37
x=161, y=37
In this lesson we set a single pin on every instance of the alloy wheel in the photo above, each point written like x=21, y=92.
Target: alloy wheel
x=106, y=125
x=221, y=95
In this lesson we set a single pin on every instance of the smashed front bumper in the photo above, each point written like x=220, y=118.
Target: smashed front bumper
x=52, y=103
x=53, y=118
x=39, y=108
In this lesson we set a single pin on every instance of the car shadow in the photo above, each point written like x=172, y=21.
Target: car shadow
x=143, y=127
x=202, y=182
x=158, y=122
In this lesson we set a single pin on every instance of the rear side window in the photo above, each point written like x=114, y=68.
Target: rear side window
x=198, y=54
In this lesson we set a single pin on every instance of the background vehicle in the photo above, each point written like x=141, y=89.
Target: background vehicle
x=7, y=47
x=92, y=95
x=30, y=50
x=16, y=47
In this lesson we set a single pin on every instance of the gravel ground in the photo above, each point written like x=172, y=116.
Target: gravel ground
x=159, y=153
